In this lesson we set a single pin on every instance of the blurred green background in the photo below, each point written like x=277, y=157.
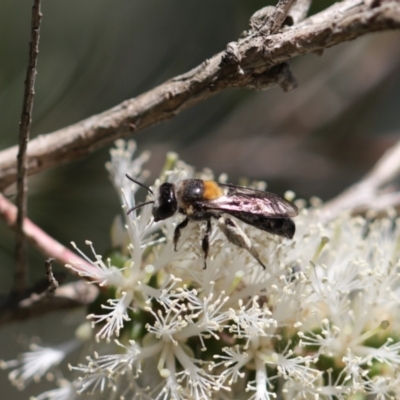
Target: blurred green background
x=94, y=54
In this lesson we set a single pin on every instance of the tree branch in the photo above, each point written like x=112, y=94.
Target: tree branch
x=278, y=16
x=25, y=127
x=258, y=66
x=269, y=20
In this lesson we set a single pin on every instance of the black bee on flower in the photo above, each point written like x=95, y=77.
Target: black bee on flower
x=204, y=200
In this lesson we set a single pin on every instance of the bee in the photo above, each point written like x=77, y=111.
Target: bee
x=204, y=200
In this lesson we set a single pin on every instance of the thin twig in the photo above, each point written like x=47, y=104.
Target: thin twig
x=277, y=17
x=40, y=239
x=12, y=305
x=257, y=54
x=25, y=127
x=370, y=193
x=53, y=284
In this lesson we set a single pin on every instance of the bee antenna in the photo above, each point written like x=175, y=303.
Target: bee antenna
x=140, y=184
x=138, y=206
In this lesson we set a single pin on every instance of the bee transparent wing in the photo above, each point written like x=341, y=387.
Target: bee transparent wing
x=240, y=200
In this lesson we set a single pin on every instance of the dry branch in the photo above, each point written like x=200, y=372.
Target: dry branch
x=52, y=281
x=258, y=65
x=277, y=17
x=24, y=133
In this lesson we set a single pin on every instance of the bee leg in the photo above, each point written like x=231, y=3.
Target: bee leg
x=236, y=236
x=177, y=233
x=205, y=244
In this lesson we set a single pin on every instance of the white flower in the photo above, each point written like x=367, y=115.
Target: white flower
x=115, y=318
x=320, y=322
x=231, y=364
x=34, y=364
x=104, y=274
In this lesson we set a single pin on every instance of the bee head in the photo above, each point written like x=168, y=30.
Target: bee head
x=166, y=204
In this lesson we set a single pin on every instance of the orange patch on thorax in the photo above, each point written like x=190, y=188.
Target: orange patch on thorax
x=211, y=190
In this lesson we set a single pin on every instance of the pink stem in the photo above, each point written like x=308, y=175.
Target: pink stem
x=41, y=240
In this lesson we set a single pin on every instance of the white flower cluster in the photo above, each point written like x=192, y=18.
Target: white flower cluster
x=321, y=322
